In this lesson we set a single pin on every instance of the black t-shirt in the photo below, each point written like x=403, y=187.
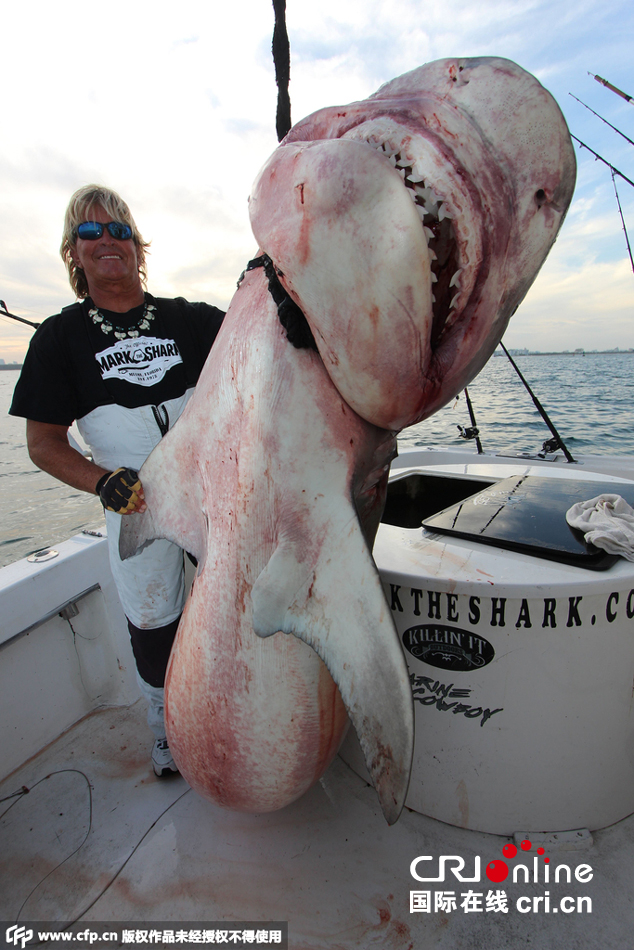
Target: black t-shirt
x=72, y=366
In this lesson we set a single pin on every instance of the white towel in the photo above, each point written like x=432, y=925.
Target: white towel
x=607, y=521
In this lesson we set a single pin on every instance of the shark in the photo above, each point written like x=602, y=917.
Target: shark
x=396, y=236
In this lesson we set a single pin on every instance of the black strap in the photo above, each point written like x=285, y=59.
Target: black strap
x=291, y=316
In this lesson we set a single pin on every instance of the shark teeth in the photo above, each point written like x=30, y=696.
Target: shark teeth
x=431, y=207
x=390, y=150
x=413, y=176
x=427, y=198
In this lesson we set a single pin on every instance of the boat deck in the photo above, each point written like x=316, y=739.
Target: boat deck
x=99, y=838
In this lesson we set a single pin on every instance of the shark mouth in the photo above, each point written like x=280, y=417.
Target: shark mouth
x=437, y=224
x=437, y=188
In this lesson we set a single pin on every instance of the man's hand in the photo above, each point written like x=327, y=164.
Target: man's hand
x=121, y=491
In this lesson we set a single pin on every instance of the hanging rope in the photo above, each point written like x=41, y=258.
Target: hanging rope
x=627, y=240
x=291, y=316
x=282, y=60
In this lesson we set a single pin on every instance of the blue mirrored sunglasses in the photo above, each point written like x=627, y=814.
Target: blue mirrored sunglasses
x=92, y=230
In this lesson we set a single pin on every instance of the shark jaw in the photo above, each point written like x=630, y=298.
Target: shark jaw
x=485, y=157
x=444, y=208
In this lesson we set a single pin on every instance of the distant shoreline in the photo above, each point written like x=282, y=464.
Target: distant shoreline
x=566, y=353
x=514, y=353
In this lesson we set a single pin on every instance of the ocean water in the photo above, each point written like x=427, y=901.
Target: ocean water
x=590, y=400
x=36, y=510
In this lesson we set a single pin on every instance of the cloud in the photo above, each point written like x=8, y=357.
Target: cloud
x=177, y=111
x=208, y=278
x=591, y=305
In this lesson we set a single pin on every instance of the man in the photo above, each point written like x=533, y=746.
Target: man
x=122, y=364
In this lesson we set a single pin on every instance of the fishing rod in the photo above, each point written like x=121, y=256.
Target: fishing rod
x=556, y=442
x=615, y=89
x=5, y=313
x=614, y=171
x=603, y=120
x=627, y=239
x=604, y=160
x=472, y=432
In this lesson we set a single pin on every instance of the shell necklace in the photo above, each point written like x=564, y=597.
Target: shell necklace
x=121, y=333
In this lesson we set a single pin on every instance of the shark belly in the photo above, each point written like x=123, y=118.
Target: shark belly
x=282, y=471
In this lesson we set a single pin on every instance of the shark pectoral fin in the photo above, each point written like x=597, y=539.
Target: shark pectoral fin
x=341, y=612
x=138, y=530
x=175, y=510
x=275, y=590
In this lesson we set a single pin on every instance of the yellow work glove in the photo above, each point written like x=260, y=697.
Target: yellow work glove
x=119, y=490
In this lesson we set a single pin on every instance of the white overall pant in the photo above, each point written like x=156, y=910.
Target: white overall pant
x=151, y=584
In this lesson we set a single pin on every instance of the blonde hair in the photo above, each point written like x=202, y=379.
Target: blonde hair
x=79, y=208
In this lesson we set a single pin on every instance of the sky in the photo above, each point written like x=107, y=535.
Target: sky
x=173, y=105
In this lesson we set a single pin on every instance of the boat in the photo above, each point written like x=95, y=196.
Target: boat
x=507, y=618
x=518, y=825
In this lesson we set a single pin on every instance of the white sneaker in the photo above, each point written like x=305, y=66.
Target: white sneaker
x=162, y=761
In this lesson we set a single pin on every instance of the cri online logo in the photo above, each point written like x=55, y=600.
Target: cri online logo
x=497, y=871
